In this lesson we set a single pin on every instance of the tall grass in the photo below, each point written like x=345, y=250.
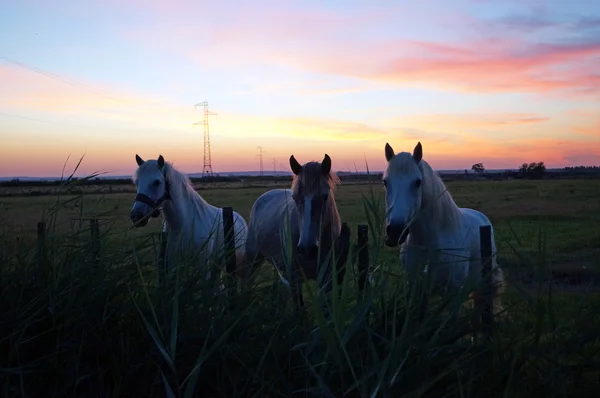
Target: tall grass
x=72, y=324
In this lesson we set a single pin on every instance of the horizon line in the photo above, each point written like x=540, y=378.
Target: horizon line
x=255, y=173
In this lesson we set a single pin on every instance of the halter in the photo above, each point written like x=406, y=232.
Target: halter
x=140, y=197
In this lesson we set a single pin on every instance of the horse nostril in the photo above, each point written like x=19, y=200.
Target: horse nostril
x=392, y=230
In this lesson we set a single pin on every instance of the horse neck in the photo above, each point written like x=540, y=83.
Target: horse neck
x=434, y=218
x=184, y=211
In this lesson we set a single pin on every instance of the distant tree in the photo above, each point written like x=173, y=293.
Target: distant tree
x=582, y=168
x=533, y=170
x=478, y=168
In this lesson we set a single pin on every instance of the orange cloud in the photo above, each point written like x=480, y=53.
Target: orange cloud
x=586, y=123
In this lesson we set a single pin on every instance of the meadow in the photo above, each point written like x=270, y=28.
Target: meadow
x=101, y=327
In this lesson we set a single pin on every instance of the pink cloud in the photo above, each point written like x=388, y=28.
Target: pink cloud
x=476, y=66
x=480, y=120
x=337, y=44
x=560, y=152
x=554, y=153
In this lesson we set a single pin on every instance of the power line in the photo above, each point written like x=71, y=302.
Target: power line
x=65, y=124
x=56, y=77
x=69, y=82
x=53, y=122
x=30, y=118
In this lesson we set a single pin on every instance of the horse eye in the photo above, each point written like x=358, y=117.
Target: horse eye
x=418, y=183
x=156, y=183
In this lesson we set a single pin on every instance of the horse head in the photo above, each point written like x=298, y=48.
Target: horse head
x=402, y=180
x=312, y=191
x=152, y=190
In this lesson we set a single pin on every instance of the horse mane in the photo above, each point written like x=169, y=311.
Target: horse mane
x=310, y=179
x=179, y=184
x=437, y=200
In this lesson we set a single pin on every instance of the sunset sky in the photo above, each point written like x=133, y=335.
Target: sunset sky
x=498, y=82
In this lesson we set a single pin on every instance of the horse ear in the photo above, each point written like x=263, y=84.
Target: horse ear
x=418, y=153
x=161, y=161
x=139, y=160
x=326, y=165
x=296, y=167
x=389, y=152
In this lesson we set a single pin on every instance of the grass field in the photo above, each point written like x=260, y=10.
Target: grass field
x=106, y=331
x=567, y=212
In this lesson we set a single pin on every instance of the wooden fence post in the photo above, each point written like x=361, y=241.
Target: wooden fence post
x=229, y=237
x=95, y=240
x=162, y=255
x=363, y=256
x=485, y=241
x=41, y=245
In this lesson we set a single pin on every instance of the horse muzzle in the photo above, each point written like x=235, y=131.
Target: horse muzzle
x=155, y=213
x=141, y=220
x=395, y=235
x=138, y=220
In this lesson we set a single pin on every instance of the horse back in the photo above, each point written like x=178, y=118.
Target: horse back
x=472, y=220
x=475, y=219
x=268, y=217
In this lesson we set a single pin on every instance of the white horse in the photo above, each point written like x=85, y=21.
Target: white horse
x=295, y=225
x=190, y=221
x=433, y=231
